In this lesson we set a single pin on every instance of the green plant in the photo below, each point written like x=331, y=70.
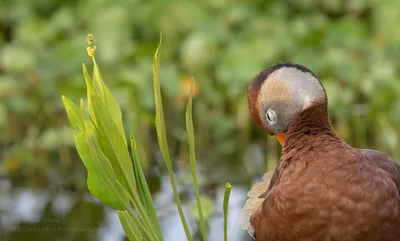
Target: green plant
x=162, y=136
x=226, y=201
x=349, y=44
x=101, y=143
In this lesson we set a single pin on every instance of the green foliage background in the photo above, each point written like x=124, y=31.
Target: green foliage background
x=353, y=46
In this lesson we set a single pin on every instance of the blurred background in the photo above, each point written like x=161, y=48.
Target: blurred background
x=353, y=46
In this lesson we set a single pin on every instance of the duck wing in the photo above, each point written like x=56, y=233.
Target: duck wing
x=256, y=196
x=385, y=163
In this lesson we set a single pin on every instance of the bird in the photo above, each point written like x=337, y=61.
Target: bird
x=323, y=189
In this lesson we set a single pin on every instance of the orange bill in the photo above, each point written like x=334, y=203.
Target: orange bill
x=281, y=138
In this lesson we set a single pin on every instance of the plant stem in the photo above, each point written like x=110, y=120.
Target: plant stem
x=226, y=201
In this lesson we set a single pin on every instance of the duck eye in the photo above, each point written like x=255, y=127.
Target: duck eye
x=271, y=116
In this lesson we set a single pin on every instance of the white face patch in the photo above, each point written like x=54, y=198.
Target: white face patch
x=289, y=84
x=284, y=94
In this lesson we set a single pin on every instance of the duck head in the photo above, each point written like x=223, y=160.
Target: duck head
x=279, y=93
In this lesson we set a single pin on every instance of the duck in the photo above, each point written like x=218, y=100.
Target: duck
x=323, y=189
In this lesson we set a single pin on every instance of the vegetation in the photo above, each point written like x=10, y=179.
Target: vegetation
x=101, y=144
x=351, y=45
x=218, y=45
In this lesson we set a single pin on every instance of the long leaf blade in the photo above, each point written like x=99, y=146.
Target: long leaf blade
x=143, y=188
x=162, y=136
x=109, y=100
x=192, y=162
x=130, y=227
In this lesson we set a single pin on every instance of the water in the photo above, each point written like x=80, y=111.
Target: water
x=61, y=214
x=24, y=215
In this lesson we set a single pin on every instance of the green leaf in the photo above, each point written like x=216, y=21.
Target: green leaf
x=143, y=188
x=110, y=154
x=106, y=171
x=98, y=81
x=129, y=226
x=162, y=136
x=159, y=120
x=143, y=221
x=109, y=99
x=192, y=154
x=89, y=82
x=112, y=143
x=96, y=184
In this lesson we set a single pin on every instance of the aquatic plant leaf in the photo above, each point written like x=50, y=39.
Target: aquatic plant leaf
x=106, y=171
x=109, y=100
x=192, y=162
x=143, y=187
x=96, y=184
x=112, y=142
x=162, y=136
x=129, y=226
x=140, y=217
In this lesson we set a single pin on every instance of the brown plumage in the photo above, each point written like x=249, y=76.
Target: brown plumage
x=323, y=189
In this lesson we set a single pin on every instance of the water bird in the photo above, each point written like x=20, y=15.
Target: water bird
x=323, y=188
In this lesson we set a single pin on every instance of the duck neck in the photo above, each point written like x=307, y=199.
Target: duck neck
x=309, y=123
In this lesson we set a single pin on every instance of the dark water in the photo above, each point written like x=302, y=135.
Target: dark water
x=62, y=214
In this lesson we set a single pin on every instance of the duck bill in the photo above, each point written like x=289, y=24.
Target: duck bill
x=281, y=138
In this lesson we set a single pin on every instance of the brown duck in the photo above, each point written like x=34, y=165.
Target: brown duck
x=323, y=189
